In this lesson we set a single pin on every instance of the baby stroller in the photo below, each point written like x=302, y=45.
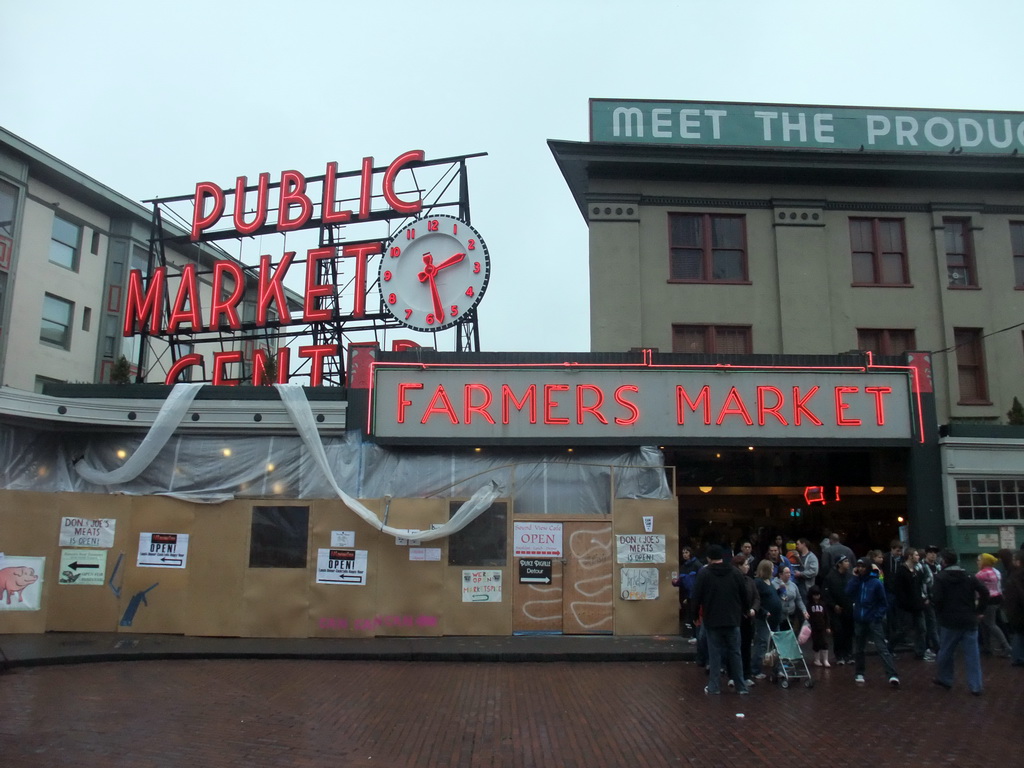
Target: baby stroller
x=787, y=659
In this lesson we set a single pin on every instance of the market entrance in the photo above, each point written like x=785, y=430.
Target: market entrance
x=571, y=595
x=727, y=494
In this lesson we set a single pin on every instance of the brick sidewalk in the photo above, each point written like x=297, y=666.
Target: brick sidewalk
x=535, y=715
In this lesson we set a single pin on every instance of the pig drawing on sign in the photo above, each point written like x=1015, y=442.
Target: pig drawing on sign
x=14, y=580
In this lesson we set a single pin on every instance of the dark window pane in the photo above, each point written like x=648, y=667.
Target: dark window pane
x=689, y=338
x=687, y=264
x=892, y=268
x=61, y=254
x=1017, y=238
x=860, y=234
x=65, y=232
x=727, y=232
x=732, y=341
x=863, y=268
x=728, y=265
x=279, y=537
x=890, y=235
x=483, y=542
x=8, y=200
x=686, y=230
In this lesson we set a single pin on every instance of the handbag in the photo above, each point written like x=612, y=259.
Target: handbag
x=805, y=633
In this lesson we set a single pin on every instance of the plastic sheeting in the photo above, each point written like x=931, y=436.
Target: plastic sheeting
x=216, y=468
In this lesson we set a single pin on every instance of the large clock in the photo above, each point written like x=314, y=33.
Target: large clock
x=434, y=272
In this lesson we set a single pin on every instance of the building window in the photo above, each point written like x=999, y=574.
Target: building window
x=705, y=248
x=712, y=339
x=279, y=537
x=65, y=242
x=8, y=205
x=1017, y=245
x=483, y=543
x=885, y=341
x=990, y=499
x=959, y=253
x=56, y=323
x=879, y=248
x=970, y=365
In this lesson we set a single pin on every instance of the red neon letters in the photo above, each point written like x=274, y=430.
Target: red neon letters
x=581, y=403
x=143, y=305
x=771, y=401
x=561, y=404
x=295, y=205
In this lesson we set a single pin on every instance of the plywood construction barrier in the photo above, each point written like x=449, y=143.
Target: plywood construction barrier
x=313, y=568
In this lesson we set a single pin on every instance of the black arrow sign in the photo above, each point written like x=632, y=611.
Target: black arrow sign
x=171, y=560
x=76, y=565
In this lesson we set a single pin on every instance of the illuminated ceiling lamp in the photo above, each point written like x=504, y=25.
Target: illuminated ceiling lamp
x=704, y=488
x=877, y=488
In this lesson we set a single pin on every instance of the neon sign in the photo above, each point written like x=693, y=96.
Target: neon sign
x=166, y=303
x=560, y=403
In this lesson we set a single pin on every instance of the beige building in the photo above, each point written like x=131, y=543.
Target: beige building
x=67, y=244
x=748, y=245
x=735, y=233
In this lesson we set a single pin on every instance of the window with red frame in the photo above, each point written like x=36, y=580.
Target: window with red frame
x=970, y=365
x=879, y=249
x=707, y=248
x=959, y=253
x=885, y=341
x=712, y=339
x=1017, y=246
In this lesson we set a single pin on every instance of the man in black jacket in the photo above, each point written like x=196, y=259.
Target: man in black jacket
x=960, y=601
x=840, y=608
x=721, y=595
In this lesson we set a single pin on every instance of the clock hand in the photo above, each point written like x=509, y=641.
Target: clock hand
x=438, y=307
x=428, y=268
x=427, y=276
x=448, y=262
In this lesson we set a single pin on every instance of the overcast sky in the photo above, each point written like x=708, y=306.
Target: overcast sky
x=150, y=98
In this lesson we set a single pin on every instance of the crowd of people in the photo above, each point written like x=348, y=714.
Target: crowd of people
x=923, y=601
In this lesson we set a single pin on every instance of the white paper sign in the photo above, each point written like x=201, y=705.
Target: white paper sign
x=432, y=554
x=988, y=540
x=341, y=566
x=648, y=523
x=638, y=583
x=537, y=539
x=1007, y=537
x=640, y=548
x=346, y=539
x=87, y=532
x=406, y=542
x=21, y=583
x=481, y=586
x=163, y=550
x=83, y=567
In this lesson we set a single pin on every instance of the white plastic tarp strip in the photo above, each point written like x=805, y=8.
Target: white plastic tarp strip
x=166, y=422
x=294, y=399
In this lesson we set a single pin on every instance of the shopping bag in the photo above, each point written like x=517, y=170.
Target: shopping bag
x=805, y=633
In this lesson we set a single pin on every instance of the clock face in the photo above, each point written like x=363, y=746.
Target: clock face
x=433, y=272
